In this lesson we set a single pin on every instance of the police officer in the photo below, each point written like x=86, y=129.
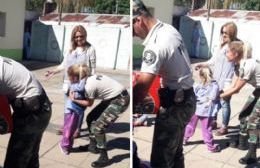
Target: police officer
x=114, y=101
x=164, y=54
x=249, y=72
x=31, y=113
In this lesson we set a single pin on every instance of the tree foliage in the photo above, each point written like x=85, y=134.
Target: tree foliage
x=112, y=6
x=34, y=5
x=251, y=5
x=96, y=6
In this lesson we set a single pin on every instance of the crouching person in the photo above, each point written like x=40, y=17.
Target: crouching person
x=114, y=101
x=31, y=114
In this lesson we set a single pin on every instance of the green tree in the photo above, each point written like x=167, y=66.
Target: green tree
x=251, y=5
x=112, y=6
x=34, y=5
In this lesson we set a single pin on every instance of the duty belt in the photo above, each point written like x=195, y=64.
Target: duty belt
x=33, y=103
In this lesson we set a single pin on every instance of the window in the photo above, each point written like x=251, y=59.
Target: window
x=2, y=23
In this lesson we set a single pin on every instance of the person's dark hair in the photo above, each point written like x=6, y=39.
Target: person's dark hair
x=139, y=9
x=83, y=31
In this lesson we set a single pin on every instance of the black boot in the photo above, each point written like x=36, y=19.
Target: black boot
x=250, y=156
x=92, y=147
x=242, y=145
x=102, y=160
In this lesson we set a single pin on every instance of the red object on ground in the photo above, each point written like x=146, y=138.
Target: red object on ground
x=151, y=103
x=6, y=121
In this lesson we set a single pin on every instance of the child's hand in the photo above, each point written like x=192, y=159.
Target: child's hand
x=71, y=96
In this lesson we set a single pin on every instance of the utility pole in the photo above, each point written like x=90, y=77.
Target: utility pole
x=208, y=6
x=192, y=5
x=60, y=11
x=116, y=7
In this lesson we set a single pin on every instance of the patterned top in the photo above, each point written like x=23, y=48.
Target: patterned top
x=207, y=97
x=79, y=94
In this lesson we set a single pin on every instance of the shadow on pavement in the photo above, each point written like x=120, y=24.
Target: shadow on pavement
x=119, y=158
x=34, y=65
x=256, y=165
x=223, y=143
x=119, y=143
x=118, y=127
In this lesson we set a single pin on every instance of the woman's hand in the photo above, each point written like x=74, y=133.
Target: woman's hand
x=48, y=74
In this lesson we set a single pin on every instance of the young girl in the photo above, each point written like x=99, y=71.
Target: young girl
x=206, y=108
x=77, y=77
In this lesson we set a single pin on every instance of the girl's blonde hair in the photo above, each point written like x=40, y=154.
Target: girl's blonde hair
x=79, y=70
x=206, y=74
x=238, y=48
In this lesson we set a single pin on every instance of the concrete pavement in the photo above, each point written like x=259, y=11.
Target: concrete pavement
x=50, y=154
x=196, y=153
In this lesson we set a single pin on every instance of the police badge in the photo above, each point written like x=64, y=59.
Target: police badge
x=149, y=57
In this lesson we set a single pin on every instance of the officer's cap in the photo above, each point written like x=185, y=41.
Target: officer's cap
x=138, y=8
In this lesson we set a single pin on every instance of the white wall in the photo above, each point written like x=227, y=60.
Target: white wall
x=15, y=13
x=112, y=43
x=248, y=31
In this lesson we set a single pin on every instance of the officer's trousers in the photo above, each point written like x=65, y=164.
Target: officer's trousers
x=24, y=143
x=167, y=147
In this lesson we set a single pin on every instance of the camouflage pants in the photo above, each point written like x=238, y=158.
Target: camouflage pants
x=246, y=111
x=167, y=147
x=253, y=124
x=108, y=116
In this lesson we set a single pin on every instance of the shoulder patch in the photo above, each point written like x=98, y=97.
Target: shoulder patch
x=149, y=57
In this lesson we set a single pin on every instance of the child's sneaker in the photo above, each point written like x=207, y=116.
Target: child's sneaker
x=216, y=149
x=64, y=150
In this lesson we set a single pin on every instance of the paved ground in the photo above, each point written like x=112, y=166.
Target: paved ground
x=196, y=153
x=50, y=154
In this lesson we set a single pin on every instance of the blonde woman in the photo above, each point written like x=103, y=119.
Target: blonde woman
x=207, y=93
x=248, y=71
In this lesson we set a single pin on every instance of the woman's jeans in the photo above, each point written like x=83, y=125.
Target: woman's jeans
x=226, y=111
